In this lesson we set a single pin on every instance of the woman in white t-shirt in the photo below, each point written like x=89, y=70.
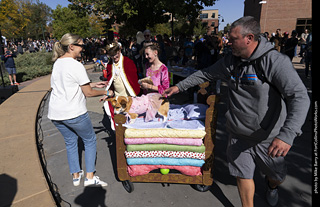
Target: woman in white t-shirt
x=67, y=106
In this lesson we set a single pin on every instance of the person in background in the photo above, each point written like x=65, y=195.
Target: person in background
x=276, y=40
x=308, y=55
x=181, y=59
x=102, y=55
x=20, y=48
x=67, y=106
x=133, y=54
x=10, y=65
x=188, y=47
x=303, y=42
x=291, y=44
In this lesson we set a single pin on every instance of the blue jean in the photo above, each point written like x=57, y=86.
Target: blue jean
x=11, y=71
x=71, y=129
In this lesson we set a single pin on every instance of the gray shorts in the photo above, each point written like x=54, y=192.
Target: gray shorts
x=11, y=70
x=243, y=157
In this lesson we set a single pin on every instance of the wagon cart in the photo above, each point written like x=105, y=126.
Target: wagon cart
x=199, y=182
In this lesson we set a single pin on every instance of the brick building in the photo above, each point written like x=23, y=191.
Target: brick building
x=210, y=20
x=287, y=15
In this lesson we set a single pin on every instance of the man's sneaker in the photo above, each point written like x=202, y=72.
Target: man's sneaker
x=95, y=181
x=272, y=195
x=76, y=181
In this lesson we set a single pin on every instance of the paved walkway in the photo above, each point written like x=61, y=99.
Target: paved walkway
x=295, y=191
x=22, y=182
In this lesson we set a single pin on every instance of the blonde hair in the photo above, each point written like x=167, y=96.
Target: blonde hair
x=61, y=47
x=153, y=46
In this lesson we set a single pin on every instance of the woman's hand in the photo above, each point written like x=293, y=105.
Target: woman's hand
x=108, y=94
x=100, y=84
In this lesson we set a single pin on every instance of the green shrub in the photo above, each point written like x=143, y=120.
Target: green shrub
x=31, y=65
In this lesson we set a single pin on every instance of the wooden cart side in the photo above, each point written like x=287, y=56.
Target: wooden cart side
x=121, y=148
x=210, y=126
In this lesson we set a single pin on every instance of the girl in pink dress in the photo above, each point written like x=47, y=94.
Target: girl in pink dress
x=156, y=70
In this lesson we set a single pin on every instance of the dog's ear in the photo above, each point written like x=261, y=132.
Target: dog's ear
x=113, y=101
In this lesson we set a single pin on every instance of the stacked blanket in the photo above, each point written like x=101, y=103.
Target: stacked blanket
x=177, y=145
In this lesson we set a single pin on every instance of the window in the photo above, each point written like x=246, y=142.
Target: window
x=204, y=24
x=204, y=16
x=303, y=24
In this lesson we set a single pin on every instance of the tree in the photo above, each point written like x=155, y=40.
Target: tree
x=38, y=17
x=140, y=14
x=23, y=18
x=66, y=20
x=12, y=18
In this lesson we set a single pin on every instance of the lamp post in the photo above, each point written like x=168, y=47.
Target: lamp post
x=1, y=63
x=222, y=19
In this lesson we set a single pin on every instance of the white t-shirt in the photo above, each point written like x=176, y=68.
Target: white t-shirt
x=67, y=100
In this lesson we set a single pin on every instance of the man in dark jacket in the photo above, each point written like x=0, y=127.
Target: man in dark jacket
x=266, y=109
x=10, y=65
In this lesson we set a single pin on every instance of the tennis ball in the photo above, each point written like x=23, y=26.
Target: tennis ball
x=164, y=171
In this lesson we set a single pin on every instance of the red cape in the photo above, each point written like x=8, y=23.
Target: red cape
x=130, y=71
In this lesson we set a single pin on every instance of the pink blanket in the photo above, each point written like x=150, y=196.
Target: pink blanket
x=135, y=170
x=170, y=154
x=177, y=141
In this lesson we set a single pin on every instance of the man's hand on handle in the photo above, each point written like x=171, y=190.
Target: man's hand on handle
x=170, y=91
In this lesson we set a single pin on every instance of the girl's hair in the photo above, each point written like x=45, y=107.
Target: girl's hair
x=113, y=48
x=61, y=47
x=153, y=46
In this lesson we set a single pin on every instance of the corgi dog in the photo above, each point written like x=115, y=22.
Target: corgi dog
x=150, y=104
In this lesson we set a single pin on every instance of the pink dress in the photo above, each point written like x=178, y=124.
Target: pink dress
x=160, y=77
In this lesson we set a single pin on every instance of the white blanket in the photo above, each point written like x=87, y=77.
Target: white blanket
x=179, y=117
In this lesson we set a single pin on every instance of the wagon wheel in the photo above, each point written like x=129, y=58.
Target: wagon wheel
x=201, y=188
x=128, y=186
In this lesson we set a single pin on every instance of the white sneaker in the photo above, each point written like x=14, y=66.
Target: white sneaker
x=95, y=181
x=76, y=181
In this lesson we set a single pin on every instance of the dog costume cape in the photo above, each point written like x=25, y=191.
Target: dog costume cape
x=148, y=104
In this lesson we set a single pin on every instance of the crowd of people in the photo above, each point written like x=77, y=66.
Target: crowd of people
x=29, y=45
x=196, y=51
x=288, y=45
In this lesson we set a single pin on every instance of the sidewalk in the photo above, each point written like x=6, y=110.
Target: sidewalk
x=294, y=192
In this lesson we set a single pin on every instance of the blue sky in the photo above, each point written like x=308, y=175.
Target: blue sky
x=53, y=3
x=230, y=10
